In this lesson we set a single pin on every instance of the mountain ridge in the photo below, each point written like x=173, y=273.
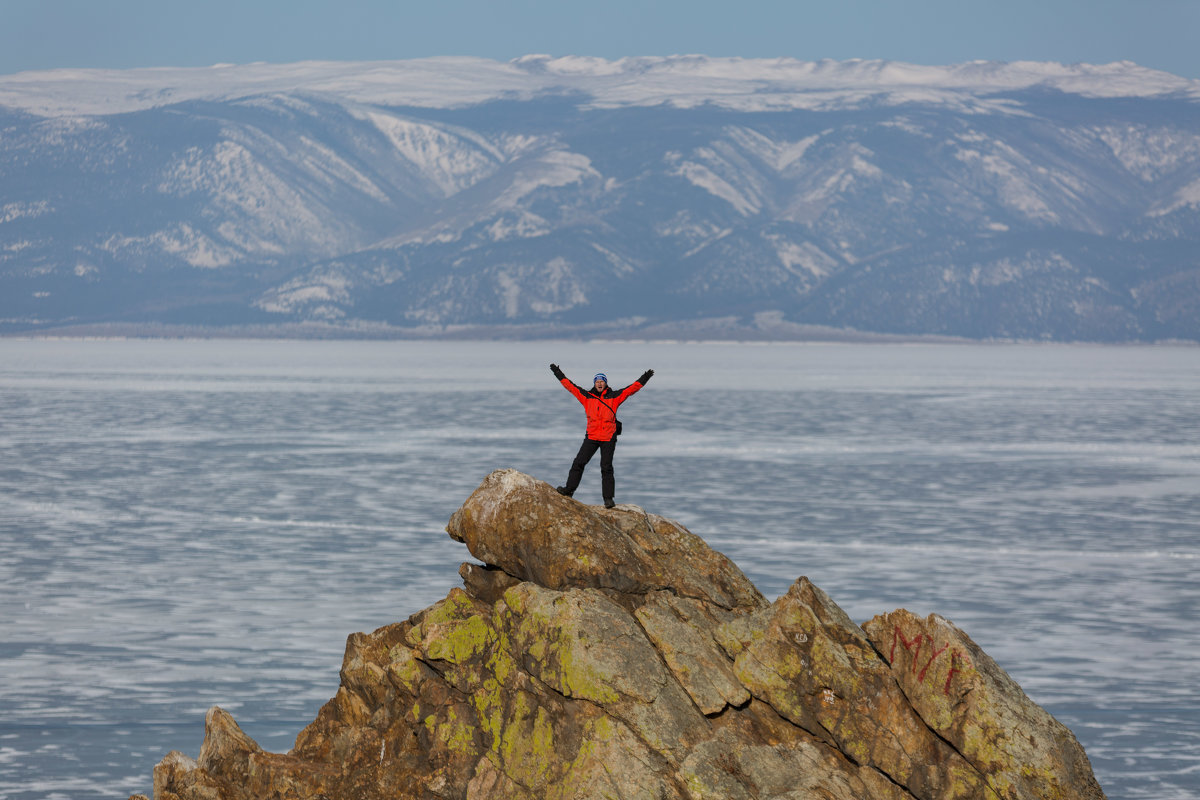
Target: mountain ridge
x=1051, y=203
x=464, y=80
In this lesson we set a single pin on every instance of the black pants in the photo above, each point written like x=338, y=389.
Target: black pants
x=586, y=451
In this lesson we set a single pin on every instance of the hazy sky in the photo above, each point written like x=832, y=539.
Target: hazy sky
x=43, y=34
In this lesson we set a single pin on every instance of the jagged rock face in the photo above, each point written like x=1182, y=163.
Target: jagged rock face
x=512, y=522
x=611, y=654
x=968, y=700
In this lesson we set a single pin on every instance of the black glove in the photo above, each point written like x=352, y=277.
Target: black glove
x=558, y=373
x=647, y=375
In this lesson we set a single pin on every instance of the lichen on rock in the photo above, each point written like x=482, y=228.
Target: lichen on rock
x=967, y=699
x=610, y=653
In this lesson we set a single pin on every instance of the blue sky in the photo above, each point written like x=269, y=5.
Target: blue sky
x=45, y=34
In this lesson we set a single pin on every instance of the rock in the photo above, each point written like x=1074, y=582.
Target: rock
x=484, y=582
x=968, y=700
x=527, y=529
x=728, y=768
x=610, y=653
x=681, y=630
x=179, y=776
x=818, y=669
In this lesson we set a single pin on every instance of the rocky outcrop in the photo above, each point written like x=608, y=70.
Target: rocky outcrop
x=610, y=653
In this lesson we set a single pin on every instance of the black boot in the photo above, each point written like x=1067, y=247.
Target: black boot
x=563, y=491
x=609, y=502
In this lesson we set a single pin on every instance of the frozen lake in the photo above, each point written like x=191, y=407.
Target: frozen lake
x=194, y=523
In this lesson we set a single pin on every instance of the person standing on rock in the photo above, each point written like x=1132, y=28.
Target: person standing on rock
x=600, y=404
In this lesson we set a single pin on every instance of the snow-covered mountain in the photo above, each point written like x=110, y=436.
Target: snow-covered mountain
x=1025, y=200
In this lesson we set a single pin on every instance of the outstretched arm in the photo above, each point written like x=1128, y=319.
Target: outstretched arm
x=636, y=386
x=570, y=387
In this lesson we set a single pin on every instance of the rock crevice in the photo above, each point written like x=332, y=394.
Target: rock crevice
x=610, y=653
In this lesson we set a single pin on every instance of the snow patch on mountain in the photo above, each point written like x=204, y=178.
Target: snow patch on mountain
x=320, y=296
x=449, y=159
x=691, y=232
x=333, y=170
x=717, y=236
x=680, y=81
x=803, y=259
x=263, y=212
x=1186, y=197
x=15, y=211
x=1009, y=173
x=1151, y=153
x=553, y=169
x=16, y=247
x=723, y=170
x=193, y=247
x=547, y=288
x=519, y=225
x=621, y=266
x=702, y=176
x=787, y=154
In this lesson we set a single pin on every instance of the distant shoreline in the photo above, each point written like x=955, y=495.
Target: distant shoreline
x=698, y=331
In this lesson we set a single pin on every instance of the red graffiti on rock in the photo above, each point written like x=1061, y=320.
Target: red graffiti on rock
x=914, y=647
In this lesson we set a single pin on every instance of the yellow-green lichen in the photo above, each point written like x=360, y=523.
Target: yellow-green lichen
x=548, y=633
x=514, y=598
x=404, y=670
x=488, y=701
x=459, y=641
x=578, y=675
x=525, y=746
x=542, y=737
x=510, y=737
x=456, y=734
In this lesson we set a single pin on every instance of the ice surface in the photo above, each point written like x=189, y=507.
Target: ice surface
x=188, y=523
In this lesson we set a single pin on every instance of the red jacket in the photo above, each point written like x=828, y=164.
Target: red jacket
x=601, y=409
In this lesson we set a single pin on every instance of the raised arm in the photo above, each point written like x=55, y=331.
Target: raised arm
x=570, y=387
x=634, y=387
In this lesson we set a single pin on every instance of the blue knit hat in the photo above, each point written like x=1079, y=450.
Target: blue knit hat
x=599, y=376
